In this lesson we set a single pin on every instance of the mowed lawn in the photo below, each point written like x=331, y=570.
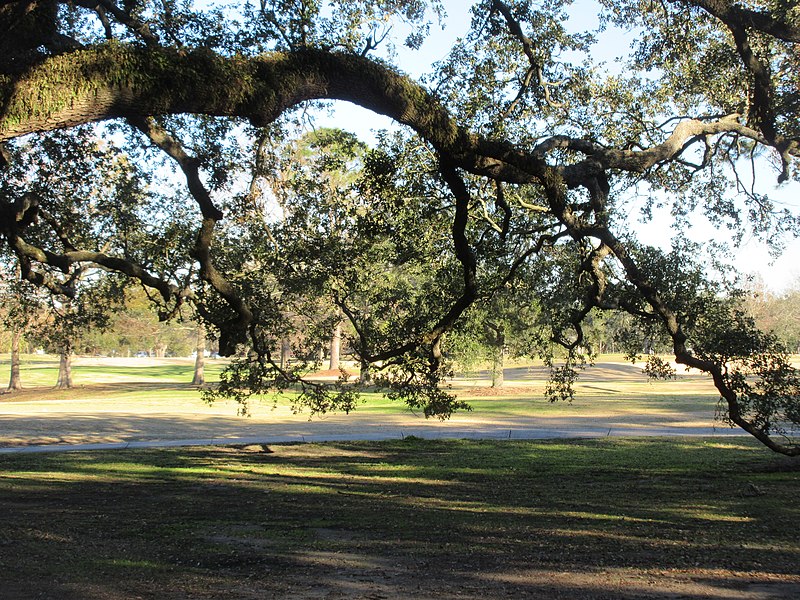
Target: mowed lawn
x=411, y=518
x=41, y=371
x=613, y=384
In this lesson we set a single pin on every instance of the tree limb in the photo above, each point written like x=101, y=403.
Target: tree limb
x=728, y=12
x=202, y=249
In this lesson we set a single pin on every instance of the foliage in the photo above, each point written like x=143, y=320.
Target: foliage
x=778, y=314
x=754, y=364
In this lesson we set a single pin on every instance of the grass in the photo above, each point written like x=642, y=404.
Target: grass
x=42, y=371
x=400, y=519
x=170, y=380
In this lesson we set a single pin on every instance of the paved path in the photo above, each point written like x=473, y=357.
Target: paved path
x=514, y=434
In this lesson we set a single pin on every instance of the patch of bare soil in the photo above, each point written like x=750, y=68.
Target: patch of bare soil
x=473, y=392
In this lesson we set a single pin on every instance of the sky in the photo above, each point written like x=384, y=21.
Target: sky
x=752, y=257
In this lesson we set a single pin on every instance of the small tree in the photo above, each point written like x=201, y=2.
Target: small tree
x=21, y=309
x=505, y=325
x=15, y=380
x=199, y=377
x=89, y=306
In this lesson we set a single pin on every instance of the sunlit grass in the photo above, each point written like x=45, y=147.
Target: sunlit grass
x=616, y=388
x=42, y=370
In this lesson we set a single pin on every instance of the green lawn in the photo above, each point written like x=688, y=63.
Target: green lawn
x=42, y=371
x=409, y=518
x=170, y=380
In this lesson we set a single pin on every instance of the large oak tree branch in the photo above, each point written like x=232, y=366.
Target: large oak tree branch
x=28, y=252
x=211, y=214
x=112, y=81
x=728, y=12
x=16, y=217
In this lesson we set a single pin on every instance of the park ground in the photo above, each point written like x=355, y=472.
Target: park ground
x=609, y=517
x=150, y=400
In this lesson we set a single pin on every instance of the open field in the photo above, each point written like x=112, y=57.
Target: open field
x=588, y=519
x=613, y=517
x=134, y=400
x=41, y=371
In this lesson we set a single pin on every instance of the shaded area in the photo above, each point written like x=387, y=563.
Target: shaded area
x=577, y=519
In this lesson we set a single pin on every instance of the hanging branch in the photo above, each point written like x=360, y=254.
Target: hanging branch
x=138, y=27
x=16, y=217
x=232, y=329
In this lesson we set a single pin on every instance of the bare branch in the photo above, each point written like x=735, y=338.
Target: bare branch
x=138, y=27
x=529, y=49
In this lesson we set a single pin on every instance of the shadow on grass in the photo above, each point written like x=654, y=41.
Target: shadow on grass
x=399, y=519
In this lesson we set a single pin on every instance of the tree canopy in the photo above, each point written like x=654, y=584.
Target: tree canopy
x=513, y=172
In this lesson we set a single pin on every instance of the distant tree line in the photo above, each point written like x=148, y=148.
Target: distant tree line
x=102, y=320
x=778, y=313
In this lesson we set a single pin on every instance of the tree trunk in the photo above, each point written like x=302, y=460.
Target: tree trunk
x=286, y=352
x=320, y=354
x=336, y=346
x=14, y=382
x=497, y=340
x=199, y=360
x=498, y=367
x=364, y=376
x=65, y=368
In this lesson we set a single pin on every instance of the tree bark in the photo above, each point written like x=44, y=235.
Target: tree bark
x=364, y=375
x=65, y=367
x=498, y=367
x=15, y=382
x=336, y=346
x=162, y=81
x=199, y=377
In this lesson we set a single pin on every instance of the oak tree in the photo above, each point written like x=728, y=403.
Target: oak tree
x=535, y=150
